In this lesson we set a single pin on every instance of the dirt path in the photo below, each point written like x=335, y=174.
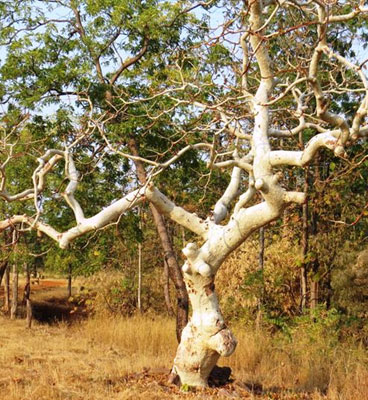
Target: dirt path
x=38, y=285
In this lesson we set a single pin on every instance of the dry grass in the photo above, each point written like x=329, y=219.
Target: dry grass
x=340, y=373
x=103, y=358
x=90, y=360
x=108, y=358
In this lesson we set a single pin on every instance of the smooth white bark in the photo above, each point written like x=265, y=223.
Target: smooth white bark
x=178, y=214
x=105, y=217
x=231, y=192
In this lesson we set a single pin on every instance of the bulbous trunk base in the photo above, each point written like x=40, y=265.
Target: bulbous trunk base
x=199, y=351
x=206, y=337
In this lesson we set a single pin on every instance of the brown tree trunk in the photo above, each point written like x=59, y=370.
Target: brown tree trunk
x=169, y=306
x=14, y=302
x=7, y=289
x=329, y=290
x=174, y=273
x=139, y=289
x=313, y=294
x=27, y=295
x=29, y=313
x=69, y=280
x=314, y=284
x=28, y=281
x=169, y=254
x=3, y=267
x=305, y=245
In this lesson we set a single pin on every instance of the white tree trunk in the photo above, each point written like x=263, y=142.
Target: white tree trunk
x=206, y=337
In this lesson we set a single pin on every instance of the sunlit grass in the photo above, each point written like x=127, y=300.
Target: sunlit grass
x=300, y=365
x=90, y=360
x=82, y=361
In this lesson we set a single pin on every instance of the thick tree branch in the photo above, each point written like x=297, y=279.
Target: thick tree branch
x=260, y=134
x=361, y=9
x=302, y=158
x=231, y=192
x=245, y=198
x=321, y=100
x=165, y=206
x=73, y=176
x=105, y=217
x=363, y=108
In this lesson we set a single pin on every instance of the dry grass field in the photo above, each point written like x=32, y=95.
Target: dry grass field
x=129, y=358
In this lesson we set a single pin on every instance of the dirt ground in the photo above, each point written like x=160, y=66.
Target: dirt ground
x=38, y=285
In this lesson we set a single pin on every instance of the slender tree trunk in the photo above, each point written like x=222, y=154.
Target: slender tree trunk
x=3, y=267
x=314, y=294
x=174, y=273
x=260, y=271
x=169, y=254
x=7, y=289
x=329, y=290
x=314, y=284
x=29, y=313
x=34, y=272
x=14, y=302
x=2, y=271
x=70, y=270
x=166, y=285
x=27, y=296
x=139, y=294
x=28, y=277
x=305, y=246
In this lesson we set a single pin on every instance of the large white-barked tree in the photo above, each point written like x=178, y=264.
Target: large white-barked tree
x=264, y=86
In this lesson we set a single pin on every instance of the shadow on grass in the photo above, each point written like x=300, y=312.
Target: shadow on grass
x=55, y=310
